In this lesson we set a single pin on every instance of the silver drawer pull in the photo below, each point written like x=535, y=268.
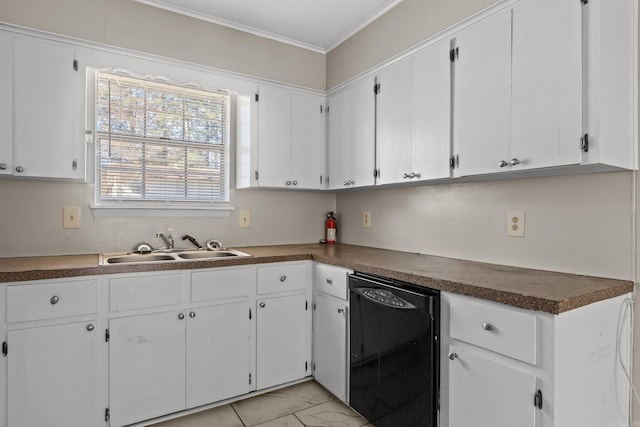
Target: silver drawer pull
x=90, y=327
x=54, y=299
x=453, y=356
x=487, y=326
x=283, y=278
x=329, y=281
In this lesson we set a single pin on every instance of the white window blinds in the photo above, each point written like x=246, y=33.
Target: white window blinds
x=160, y=142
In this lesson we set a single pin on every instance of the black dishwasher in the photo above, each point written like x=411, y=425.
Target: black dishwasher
x=394, y=369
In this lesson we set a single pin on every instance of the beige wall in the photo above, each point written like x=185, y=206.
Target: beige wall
x=132, y=25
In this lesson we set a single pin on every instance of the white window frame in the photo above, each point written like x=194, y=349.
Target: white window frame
x=148, y=208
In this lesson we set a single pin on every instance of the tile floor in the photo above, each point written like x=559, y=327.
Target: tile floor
x=306, y=404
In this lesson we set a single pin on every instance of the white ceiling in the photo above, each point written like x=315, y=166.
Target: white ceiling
x=319, y=25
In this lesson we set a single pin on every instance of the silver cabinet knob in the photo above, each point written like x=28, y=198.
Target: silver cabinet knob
x=192, y=314
x=54, y=299
x=283, y=278
x=288, y=182
x=503, y=163
x=181, y=316
x=452, y=356
x=295, y=182
x=487, y=326
x=19, y=169
x=514, y=162
x=341, y=310
x=90, y=327
x=329, y=281
x=3, y=166
x=262, y=305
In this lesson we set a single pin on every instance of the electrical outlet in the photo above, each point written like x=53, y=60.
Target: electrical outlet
x=515, y=223
x=245, y=219
x=71, y=217
x=366, y=219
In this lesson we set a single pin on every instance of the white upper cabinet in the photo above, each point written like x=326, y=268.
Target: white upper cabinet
x=547, y=84
x=291, y=140
x=6, y=104
x=352, y=136
x=413, y=117
x=482, y=95
x=47, y=126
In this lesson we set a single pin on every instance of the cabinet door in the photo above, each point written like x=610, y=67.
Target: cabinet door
x=43, y=108
x=146, y=366
x=274, y=137
x=394, y=124
x=308, y=146
x=281, y=340
x=53, y=376
x=486, y=393
x=330, y=344
x=352, y=136
x=547, y=83
x=482, y=93
x=217, y=353
x=6, y=103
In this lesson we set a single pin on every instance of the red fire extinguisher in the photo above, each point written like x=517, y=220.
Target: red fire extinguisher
x=330, y=228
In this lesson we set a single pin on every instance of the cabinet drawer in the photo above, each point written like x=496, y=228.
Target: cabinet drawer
x=283, y=277
x=158, y=290
x=222, y=283
x=493, y=326
x=50, y=300
x=331, y=280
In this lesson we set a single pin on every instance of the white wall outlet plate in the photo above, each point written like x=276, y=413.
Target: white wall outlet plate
x=366, y=219
x=515, y=223
x=71, y=217
x=245, y=219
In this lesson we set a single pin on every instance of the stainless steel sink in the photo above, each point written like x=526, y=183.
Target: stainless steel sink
x=175, y=255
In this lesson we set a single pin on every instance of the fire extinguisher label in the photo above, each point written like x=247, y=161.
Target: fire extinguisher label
x=331, y=235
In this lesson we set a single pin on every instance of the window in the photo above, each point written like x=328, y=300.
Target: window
x=160, y=143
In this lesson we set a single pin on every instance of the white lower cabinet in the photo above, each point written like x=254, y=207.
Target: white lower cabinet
x=218, y=350
x=488, y=393
x=504, y=367
x=330, y=315
x=146, y=366
x=281, y=352
x=53, y=376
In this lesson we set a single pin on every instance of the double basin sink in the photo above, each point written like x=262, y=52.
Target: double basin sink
x=170, y=256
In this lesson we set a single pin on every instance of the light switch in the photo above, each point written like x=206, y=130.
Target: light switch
x=71, y=217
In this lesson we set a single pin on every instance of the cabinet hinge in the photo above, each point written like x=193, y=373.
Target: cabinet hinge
x=249, y=378
x=313, y=367
x=75, y=64
x=454, y=54
x=320, y=179
x=327, y=109
x=257, y=97
x=584, y=1
x=306, y=366
x=584, y=143
x=376, y=88
x=454, y=161
x=5, y=349
x=106, y=335
x=306, y=305
x=314, y=306
x=376, y=173
x=256, y=175
x=249, y=314
x=320, y=108
x=107, y=414
x=537, y=399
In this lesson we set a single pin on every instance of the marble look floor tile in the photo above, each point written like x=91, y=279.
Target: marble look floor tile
x=222, y=416
x=279, y=403
x=330, y=414
x=288, y=421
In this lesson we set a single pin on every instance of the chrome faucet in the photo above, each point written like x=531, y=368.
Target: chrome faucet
x=168, y=240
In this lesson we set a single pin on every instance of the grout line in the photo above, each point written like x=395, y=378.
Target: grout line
x=237, y=415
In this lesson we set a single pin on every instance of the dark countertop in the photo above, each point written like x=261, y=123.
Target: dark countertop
x=520, y=287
